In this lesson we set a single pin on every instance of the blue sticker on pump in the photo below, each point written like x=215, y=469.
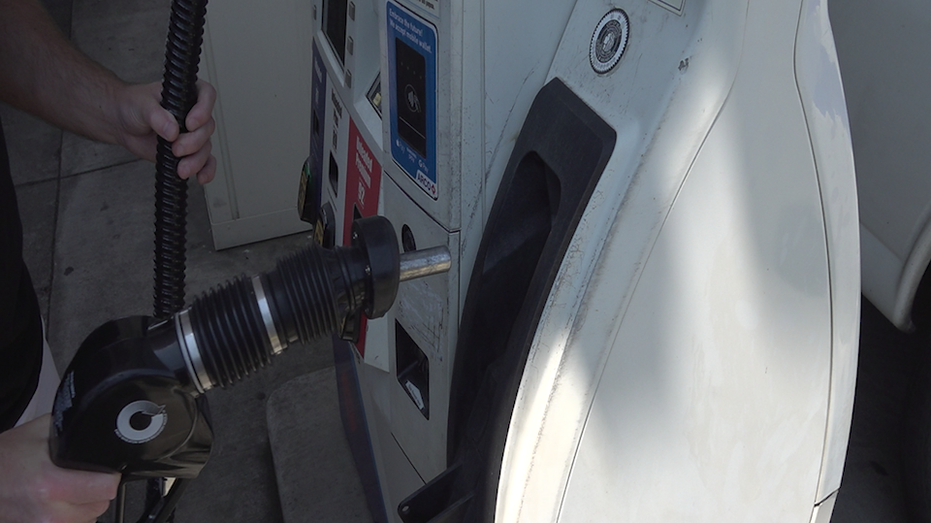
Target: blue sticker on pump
x=412, y=95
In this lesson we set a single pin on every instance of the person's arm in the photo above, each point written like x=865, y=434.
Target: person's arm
x=32, y=488
x=43, y=74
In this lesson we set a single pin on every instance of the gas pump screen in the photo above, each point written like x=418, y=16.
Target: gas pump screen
x=411, y=87
x=334, y=13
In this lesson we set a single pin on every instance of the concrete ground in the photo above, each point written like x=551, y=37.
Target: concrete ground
x=87, y=212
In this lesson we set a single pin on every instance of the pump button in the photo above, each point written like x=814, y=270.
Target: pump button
x=308, y=197
x=325, y=230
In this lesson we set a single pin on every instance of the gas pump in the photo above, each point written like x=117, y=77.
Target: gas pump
x=650, y=205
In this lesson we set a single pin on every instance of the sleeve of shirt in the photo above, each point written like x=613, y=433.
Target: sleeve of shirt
x=20, y=320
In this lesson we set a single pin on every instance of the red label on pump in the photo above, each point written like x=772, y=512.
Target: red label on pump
x=363, y=181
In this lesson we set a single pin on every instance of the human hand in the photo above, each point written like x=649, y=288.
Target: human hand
x=141, y=117
x=32, y=488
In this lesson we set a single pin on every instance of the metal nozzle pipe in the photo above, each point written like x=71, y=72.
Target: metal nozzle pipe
x=425, y=262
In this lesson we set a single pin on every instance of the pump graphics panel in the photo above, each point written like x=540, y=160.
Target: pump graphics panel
x=412, y=96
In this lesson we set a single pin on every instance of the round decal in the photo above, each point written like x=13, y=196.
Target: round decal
x=140, y=421
x=609, y=41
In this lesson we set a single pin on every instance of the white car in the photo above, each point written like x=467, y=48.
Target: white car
x=653, y=308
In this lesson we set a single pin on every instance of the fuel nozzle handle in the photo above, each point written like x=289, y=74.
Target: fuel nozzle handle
x=232, y=331
x=129, y=401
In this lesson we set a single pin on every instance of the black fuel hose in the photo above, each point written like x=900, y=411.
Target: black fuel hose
x=179, y=94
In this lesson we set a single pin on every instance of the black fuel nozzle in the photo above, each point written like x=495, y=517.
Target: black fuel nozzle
x=234, y=330
x=128, y=401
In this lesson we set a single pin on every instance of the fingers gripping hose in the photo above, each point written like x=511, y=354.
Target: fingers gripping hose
x=179, y=94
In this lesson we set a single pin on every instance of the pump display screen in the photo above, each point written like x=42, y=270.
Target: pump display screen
x=334, y=20
x=410, y=89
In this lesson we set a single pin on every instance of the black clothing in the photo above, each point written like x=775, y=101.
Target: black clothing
x=20, y=320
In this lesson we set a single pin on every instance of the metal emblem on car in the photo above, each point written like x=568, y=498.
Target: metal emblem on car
x=609, y=41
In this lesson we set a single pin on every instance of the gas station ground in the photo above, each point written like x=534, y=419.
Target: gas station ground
x=280, y=453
